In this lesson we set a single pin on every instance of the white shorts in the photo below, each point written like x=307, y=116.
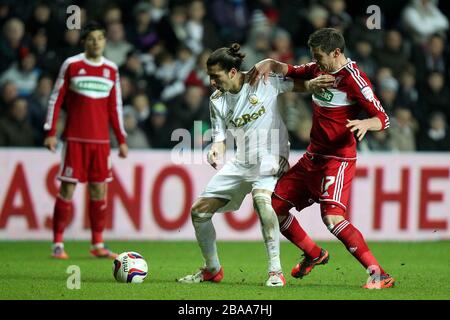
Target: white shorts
x=235, y=180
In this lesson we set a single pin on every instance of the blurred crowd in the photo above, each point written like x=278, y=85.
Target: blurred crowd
x=161, y=47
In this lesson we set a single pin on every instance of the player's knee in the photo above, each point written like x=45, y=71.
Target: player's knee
x=263, y=205
x=331, y=214
x=281, y=208
x=201, y=210
x=97, y=191
x=66, y=190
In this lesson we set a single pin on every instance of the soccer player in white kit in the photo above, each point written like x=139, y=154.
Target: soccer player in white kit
x=250, y=114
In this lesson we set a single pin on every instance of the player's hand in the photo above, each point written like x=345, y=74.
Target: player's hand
x=216, y=151
x=360, y=126
x=123, y=150
x=320, y=83
x=50, y=143
x=261, y=69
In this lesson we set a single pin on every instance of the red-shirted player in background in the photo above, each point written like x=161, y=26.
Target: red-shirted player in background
x=325, y=172
x=89, y=87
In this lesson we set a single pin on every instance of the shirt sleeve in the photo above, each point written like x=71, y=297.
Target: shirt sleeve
x=218, y=124
x=304, y=71
x=360, y=90
x=282, y=84
x=116, y=111
x=57, y=98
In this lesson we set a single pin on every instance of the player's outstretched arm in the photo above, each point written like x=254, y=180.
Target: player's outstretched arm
x=264, y=68
x=362, y=126
x=50, y=143
x=215, y=153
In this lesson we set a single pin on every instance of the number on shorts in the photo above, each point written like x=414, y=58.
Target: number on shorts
x=327, y=182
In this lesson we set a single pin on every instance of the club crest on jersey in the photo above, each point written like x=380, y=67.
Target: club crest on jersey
x=253, y=99
x=106, y=73
x=324, y=96
x=68, y=172
x=246, y=118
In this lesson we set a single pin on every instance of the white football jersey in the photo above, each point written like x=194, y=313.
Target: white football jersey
x=252, y=117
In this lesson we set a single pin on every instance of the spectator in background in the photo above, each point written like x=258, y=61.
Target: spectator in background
x=24, y=74
x=134, y=69
x=158, y=128
x=431, y=58
x=436, y=137
x=363, y=54
x=282, y=46
x=422, y=18
x=338, y=17
x=392, y=54
x=45, y=55
x=112, y=14
x=172, y=27
x=136, y=138
x=159, y=8
x=8, y=94
x=141, y=106
x=403, y=131
x=192, y=107
x=38, y=103
x=15, y=129
x=376, y=141
x=388, y=94
x=231, y=19
x=117, y=46
x=312, y=19
x=41, y=18
x=70, y=45
x=199, y=75
x=436, y=96
x=200, y=30
x=12, y=42
x=408, y=95
x=128, y=89
x=142, y=34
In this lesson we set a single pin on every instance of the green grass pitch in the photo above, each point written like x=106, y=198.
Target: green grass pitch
x=422, y=271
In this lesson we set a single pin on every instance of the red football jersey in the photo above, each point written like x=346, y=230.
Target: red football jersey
x=351, y=92
x=92, y=97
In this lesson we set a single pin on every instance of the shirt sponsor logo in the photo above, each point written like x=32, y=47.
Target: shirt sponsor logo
x=324, y=96
x=248, y=117
x=92, y=85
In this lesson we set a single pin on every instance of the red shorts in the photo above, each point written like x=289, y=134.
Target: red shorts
x=85, y=162
x=317, y=179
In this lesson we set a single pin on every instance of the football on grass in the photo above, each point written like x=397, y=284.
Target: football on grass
x=130, y=267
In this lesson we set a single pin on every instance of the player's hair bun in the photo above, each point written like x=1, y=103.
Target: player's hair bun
x=234, y=51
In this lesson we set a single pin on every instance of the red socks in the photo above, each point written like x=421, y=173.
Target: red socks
x=355, y=243
x=291, y=229
x=62, y=215
x=97, y=217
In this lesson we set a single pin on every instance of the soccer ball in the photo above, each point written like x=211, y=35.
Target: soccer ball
x=130, y=267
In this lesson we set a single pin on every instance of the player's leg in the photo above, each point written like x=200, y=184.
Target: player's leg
x=62, y=215
x=262, y=202
x=333, y=203
x=97, y=219
x=70, y=173
x=99, y=173
x=201, y=213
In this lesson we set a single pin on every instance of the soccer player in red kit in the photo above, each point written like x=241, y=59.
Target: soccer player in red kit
x=325, y=172
x=88, y=85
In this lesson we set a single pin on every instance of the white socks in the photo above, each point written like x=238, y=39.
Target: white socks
x=206, y=238
x=270, y=229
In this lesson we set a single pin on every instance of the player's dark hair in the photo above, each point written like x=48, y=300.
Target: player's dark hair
x=90, y=27
x=227, y=57
x=327, y=39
